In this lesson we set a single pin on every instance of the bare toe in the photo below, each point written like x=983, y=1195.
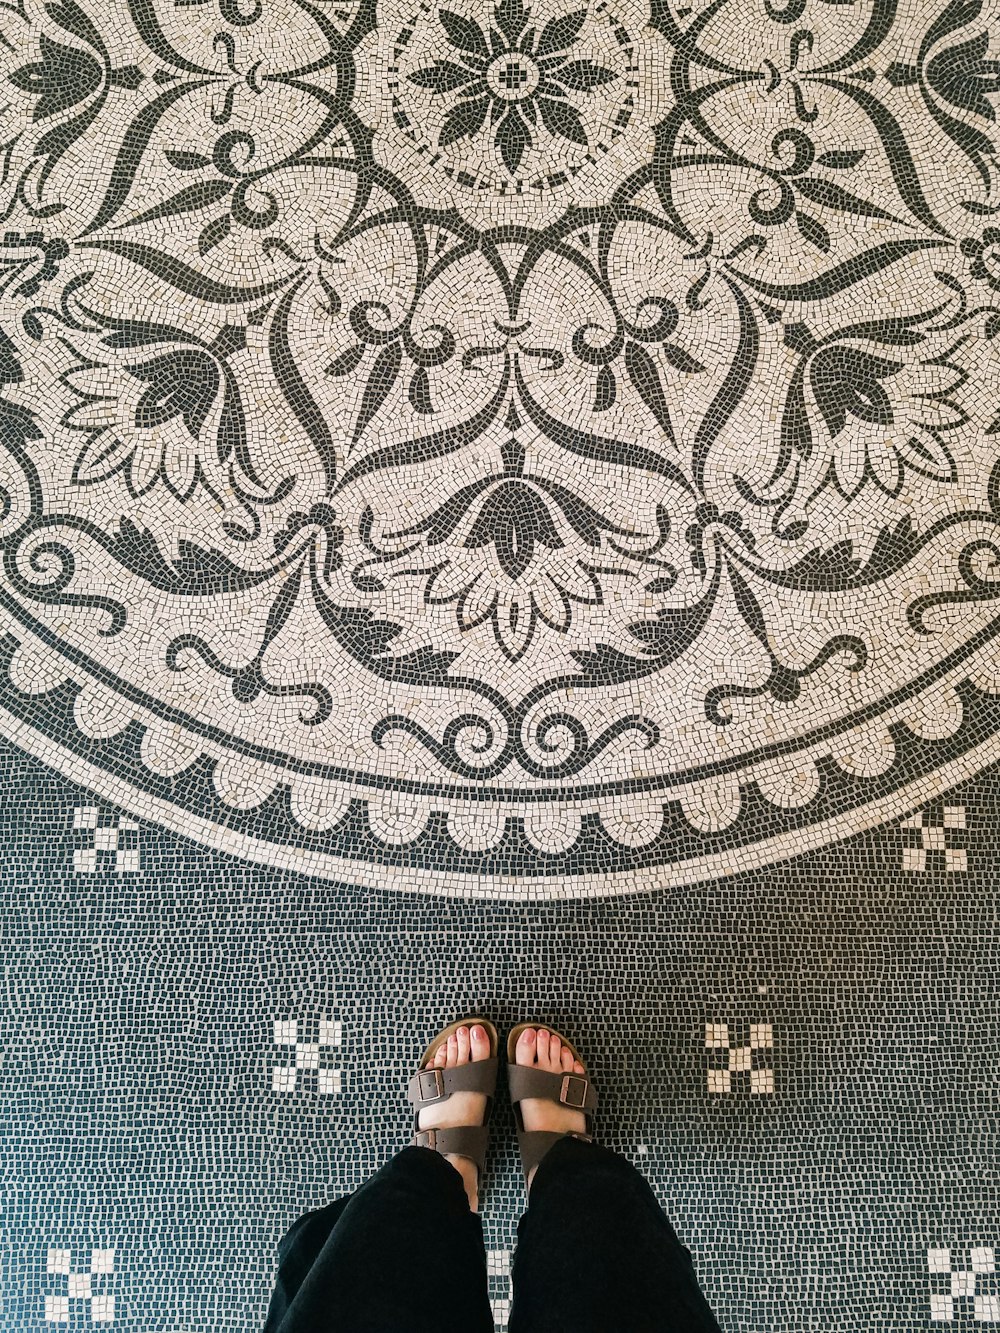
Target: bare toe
x=555, y=1046
x=542, y=1048
x=480, y=1042
x=463, y=1045
x=527, y=1045
x=567, y=1059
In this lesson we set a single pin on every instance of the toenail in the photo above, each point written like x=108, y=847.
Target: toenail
x=463, y=1032
x=477, y=1032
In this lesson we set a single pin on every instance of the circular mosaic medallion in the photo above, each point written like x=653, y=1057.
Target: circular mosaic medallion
x=541, y=449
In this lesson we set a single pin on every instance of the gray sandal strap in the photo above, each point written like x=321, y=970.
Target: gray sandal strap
x=431, y=1085
x=573, y=1090
x=462, y=1140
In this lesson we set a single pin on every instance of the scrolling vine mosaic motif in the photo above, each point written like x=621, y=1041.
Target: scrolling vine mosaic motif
x=551, y=442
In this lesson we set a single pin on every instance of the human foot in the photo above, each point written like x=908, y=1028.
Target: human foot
x=461, y=1108
x=544, y=1050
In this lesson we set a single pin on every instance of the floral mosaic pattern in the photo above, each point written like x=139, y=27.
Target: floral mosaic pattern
x=515, y=76
x=553, y=441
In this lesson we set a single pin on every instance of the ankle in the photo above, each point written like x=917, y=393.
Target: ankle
x=467, y=1170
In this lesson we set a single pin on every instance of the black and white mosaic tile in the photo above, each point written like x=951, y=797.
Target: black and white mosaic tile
x=801, y=1060
x=516, y=450
x=501, y=502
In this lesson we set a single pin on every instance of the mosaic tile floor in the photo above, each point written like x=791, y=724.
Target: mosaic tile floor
x=198, y=1049
x=499, y=505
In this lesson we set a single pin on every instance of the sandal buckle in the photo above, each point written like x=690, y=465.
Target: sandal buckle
x=425, y=1138
x=438, y=1094
x=564, y=1094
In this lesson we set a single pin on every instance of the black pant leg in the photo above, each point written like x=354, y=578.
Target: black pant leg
x=298, y=1250
x=596, y=1253
x=402, y=1254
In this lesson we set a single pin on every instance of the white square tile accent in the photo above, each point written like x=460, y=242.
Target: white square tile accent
x=283, y=1080
x=739, y=1059
x=102, y=1309
x=57, y=1309
x=306, y=1056
x=762, y=1081
x=719, y=1080
x=107, y=848
x=939, y=1260
x=58, y=1261
x=106, y=838
x=330, y=1082
x=498, y=1263
x=942, y=1308
x=963, y=1284
x=933, y=838
x=938, y=849
x=79, y=1284
x=501, y=1310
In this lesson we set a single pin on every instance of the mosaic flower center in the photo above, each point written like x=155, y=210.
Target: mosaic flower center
x=512, y=77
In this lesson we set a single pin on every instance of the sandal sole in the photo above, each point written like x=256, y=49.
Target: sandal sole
x=435, y=1045
x=515, y=1034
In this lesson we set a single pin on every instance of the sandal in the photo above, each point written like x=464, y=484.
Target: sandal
x=573, y=1090
x=430, y=1085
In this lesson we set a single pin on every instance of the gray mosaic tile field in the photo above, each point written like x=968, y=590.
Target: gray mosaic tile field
x=500, y=507
x=802, y=1061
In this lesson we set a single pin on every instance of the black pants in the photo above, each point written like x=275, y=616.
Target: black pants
x=404, y=1254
